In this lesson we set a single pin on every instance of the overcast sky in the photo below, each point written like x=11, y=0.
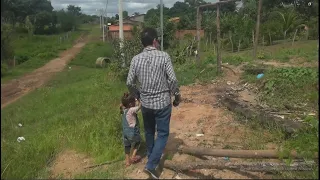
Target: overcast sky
x=90, y=6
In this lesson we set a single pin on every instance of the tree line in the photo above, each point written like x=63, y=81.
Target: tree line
x=38, y=16
x=280, y=20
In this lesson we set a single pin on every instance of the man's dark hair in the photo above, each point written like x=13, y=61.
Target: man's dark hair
x=147, y=36
x=127, y=99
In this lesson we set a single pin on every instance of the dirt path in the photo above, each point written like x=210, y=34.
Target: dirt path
x=199, y=113
x=15, y=89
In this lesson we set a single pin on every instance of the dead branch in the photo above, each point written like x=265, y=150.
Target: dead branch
x=289, y=126
x=105, y=163
x=242, y=166
x=270, y=154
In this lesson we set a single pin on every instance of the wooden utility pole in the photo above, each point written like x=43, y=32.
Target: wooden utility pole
x=199, y=14
x=218, y=41
x=161, y=23
x=255, y=46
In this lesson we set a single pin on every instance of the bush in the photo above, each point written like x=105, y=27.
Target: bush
x=21, y=58
x=129, y=50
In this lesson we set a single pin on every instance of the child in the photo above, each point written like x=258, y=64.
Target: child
x=131, y=128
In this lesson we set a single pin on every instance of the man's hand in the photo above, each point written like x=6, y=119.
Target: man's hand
x=177, y=99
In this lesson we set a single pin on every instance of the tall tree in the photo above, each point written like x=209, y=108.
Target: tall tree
x=74, y=10
x=125, y=14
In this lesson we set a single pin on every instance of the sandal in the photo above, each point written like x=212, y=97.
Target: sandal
x=136, y=159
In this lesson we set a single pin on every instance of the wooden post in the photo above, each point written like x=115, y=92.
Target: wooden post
x=255, y=46
x=210, y=39
x=198, y=32
x=218, y=41
x=230, y=37
x=294, y=36
x=14, y=61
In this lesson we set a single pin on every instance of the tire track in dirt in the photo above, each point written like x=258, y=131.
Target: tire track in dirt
x=15, y=89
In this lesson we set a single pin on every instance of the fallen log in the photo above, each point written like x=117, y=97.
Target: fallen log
x=237, y=106
x=242, y=166
x=256, y=154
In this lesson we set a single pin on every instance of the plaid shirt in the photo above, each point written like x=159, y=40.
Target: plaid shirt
x=157, y=81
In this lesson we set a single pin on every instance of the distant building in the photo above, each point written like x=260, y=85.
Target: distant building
x=139, y=18
x=175, y=19
x=127, y=31
x=128, y=25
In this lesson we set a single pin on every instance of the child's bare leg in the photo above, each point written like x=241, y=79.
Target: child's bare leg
x=127, y=151
x=128, y=161
x=134, y=153
x=134, y=156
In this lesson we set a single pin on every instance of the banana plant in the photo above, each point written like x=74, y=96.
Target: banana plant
x=289, y=21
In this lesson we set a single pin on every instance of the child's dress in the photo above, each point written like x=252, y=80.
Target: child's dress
x=131, y=126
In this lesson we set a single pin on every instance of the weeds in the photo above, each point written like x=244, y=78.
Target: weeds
x=290, y=86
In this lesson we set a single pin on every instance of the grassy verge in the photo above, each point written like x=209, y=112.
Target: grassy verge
x=34, y=52
x=303, y=51
x=295, y=89
x=78, y=110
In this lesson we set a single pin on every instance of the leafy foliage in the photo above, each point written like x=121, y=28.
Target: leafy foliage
x=123, y=56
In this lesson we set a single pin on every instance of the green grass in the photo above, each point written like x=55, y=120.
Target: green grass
x=77, y=110
x=288, y=87
x=191, y=71
x=306, y=50
x=34, y=52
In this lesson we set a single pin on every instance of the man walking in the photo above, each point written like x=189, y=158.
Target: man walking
x=153, y=70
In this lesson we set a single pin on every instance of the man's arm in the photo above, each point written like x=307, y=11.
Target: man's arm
x=172, y=80
x=131, y=80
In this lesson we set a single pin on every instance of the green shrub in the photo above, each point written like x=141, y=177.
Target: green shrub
x=21, y=59
x=4, y=69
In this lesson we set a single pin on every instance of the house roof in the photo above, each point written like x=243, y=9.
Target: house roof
x=129, y=21
x=126, y=27
x=174, y=19
x=137, y=15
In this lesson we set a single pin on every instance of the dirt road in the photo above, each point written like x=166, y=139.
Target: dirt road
x=199, y=114
x=15, y=89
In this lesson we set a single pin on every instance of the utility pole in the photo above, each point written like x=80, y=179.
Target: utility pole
x=255, y=46
x=161, y=23
x=121, y=31
x=107, y=19
x=102, y=16
x=199, y=17
x=219, y=69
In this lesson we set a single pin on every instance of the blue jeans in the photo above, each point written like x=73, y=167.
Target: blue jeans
x=152, y=119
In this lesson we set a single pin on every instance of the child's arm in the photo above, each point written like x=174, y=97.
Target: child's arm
x=136, y=108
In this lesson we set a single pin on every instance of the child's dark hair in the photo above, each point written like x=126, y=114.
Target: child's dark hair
x=127, y=99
